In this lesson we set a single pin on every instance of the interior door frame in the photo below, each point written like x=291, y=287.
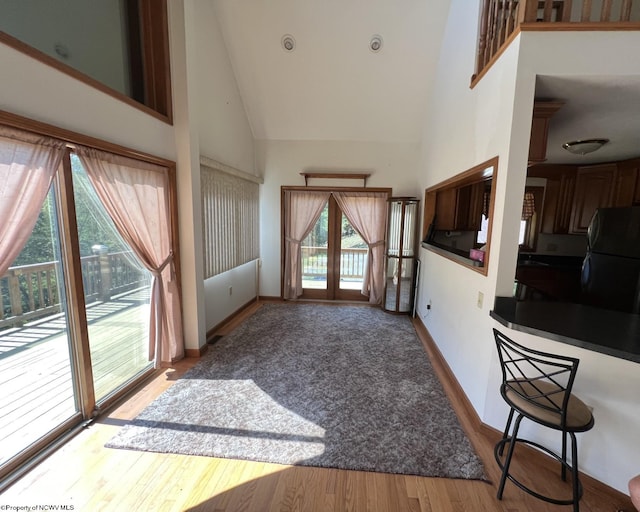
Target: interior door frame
x=333, y=292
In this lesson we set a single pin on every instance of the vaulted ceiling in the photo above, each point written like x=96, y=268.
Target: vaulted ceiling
x=332, y=86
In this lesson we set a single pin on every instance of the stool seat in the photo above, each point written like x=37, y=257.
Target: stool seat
x=538, y=386
x=531, y=399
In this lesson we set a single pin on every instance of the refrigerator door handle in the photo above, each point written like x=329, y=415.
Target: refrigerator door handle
x=585, y=276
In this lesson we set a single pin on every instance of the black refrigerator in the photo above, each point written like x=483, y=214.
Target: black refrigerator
x=611, y=268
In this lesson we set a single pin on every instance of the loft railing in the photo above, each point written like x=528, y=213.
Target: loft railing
x=30, y=292
x=501, y=19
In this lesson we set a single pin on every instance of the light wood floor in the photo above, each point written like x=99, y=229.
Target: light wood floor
x=92, y=478
x=36, y=379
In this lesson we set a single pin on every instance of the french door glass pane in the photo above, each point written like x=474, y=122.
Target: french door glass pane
x=36, y=378
x=353, y=257
x=314, y=253
x=117, y=293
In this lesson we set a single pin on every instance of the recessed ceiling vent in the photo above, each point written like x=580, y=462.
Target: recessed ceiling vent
x=288, y=43
x=375, y=45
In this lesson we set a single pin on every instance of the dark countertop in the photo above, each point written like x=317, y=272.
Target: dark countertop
x=610, y=332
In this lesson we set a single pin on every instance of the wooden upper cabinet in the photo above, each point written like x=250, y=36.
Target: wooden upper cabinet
x=627, y=184
x=460, y=209
x=446, y=201
x=558, y=197
x=594, y=189
x=542, y=112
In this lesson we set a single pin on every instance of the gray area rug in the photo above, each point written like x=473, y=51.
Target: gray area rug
x=332, y=386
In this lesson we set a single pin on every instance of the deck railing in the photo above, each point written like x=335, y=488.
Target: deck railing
x=314, y=262
x=499, y=19
x=29, y=292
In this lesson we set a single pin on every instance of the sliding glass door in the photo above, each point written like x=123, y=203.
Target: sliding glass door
x=116, y=292
x=38, y=385
x=74, y=318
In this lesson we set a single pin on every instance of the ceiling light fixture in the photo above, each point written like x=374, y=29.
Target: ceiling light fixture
x=582, y=147
x=375, y=45
x=288, y=43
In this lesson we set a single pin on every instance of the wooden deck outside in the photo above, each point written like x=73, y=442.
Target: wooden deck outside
x=36, y=381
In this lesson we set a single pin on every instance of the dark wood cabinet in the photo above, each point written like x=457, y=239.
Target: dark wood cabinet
x=542, y=112
x=626, y=188
x=446, y=201
x=559, y=197
x=460, y=209
x=594, y=189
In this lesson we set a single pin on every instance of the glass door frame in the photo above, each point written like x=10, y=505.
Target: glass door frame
x=333, y=290
x=83, y=381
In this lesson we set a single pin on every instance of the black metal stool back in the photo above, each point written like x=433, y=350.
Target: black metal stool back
x=538, y=386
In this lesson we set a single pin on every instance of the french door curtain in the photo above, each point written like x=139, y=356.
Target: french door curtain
x=134, y=193
x=367, y=213
x=302, y=211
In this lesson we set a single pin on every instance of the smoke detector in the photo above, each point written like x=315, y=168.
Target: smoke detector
x=288, y=43
x=375, y=44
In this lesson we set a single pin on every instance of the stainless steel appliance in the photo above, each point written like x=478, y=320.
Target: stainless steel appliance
x=611, y=268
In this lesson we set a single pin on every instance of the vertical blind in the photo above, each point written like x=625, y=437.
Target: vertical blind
x=229, y=220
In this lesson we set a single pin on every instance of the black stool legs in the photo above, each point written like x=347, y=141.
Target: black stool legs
x=513, y=439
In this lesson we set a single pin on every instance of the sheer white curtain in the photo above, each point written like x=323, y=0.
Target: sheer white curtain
x=301, y=210
x=28, y=164
x=136, y=196
x=367, y=212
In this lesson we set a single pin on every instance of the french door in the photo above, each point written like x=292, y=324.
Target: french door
x=74, y=320
x=334, y=258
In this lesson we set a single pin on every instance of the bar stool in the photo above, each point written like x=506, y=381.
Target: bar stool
x=537, y=386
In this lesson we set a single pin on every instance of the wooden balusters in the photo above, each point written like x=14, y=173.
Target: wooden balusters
x=500, y=18
x=566, y=11
x=482, y=36
x=586, y=11
x=625, y=10
x=605, y=12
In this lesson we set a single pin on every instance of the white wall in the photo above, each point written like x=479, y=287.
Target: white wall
x=466, y=127
x=210, y=121
x=224, y=131
x=230, y=291
x=37, y=91
x=391, y=164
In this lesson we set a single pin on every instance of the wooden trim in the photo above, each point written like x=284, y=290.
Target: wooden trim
x=134, y=36
x=478, y=76
x=388, y=190
x=174, y=228
x=76, y=306
x=467, y=415
x=473, y=175
x=468, y=177
x=336, y=176
x=196, y=352
x=590, y=26
x=270, y=298
x=214, y=330
x=72, y=137
x=154, y=29
x=42, y=57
